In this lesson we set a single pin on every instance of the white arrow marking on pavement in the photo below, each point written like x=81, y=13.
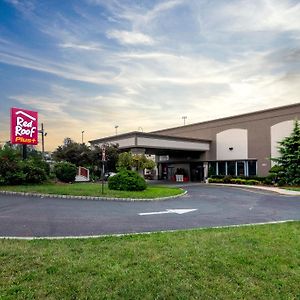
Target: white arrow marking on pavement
x=169, y=211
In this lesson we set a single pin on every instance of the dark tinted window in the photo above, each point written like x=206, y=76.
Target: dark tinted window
x=212, y=168
x=252, y=168
x=231, y=168
x=221, y=167
x=240, y=168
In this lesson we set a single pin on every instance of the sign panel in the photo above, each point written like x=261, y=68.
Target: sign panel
x=103, y=154
x=24, y=127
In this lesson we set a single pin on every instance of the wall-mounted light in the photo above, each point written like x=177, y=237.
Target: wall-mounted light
x=230, y=148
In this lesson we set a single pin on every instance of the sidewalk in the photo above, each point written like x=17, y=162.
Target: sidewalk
x=258, y=187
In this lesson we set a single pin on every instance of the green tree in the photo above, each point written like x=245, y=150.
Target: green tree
x=75, y=153
x=111, y=156
x=289, y=159
x=125, y=161
x=139, y=162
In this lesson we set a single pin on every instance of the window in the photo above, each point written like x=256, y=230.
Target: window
x=252, y=168
x=212, y=170
x=231, y=168
x=240, y=168
x=221, y=168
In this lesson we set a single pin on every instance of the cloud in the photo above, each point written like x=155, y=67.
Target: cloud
x=23, y=6
x=148, y=63
x=261, y=15
x=89, y=47
x=129, y=37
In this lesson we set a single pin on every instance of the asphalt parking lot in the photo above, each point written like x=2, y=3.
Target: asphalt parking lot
x=202, y=206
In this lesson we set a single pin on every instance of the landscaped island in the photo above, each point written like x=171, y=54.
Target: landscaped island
x=94, y=190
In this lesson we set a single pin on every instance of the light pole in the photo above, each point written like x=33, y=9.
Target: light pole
x=82, y=132
x=184, y=118
x=43, y=133
x=116, y=128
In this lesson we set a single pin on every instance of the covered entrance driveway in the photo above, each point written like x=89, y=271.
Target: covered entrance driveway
x=177, y=158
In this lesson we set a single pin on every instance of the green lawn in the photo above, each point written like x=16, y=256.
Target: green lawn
x=93, y=189
x=293, y=188
x=257, y=262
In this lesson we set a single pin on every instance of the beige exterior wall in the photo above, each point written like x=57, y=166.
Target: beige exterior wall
x=232, y=144
x=123, y=142
x=257, y=124
x=278, y=133
x=164, y=143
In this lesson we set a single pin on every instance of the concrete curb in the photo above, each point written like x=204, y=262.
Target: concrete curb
x=38, y=195
x=262, y=188
x=30, y=238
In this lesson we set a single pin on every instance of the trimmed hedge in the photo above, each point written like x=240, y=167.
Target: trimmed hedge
x=127, y=181
x=229, y=180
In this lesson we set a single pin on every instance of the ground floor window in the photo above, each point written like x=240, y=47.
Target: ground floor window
x=221, y=168
x=252, y=167
x=240, y=165
x=233, y=168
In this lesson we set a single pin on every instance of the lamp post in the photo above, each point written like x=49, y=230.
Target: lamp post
x=82, y=132
x=184, y=119
x=43, y=133
x=116, y=128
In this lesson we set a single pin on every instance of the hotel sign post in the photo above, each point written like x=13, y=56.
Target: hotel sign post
x=103, y=167
x=24, y=128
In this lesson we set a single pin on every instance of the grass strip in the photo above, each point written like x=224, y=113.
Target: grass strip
x=256, y=262
x=93, y=189
x=293, y=188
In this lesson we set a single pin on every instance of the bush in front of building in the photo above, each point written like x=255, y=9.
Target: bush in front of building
x=65, y=171
x=228, y=180
x=127, y=180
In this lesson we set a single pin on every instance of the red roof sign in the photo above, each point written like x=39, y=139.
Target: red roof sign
x=24, y=127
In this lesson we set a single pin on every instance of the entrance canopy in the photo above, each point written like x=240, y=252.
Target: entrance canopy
x=152, y=143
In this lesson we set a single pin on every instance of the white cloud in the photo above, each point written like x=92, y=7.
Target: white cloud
x=130, y=37
x=260, y=15
x=226, y=67
x=89, y=47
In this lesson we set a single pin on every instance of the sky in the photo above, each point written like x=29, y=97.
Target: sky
x=89, y=65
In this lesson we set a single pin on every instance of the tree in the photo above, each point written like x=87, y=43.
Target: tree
x=125, y=161
x=139, y=162
x=111, y=156
x=75, y=153
x=289, y=159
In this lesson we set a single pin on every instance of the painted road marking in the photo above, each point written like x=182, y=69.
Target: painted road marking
x=169, y=211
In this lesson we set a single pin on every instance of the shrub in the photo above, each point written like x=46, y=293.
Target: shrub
x=127, y=181
x=15, y=177
x=33, y=173
x=65, y=171
x=238, y=181
x=215, y=180
x=252, y=182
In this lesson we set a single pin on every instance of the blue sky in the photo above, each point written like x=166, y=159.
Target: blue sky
x=93, y=64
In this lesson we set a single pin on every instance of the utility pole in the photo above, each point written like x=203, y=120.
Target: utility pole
x=82, y=132
x=43, y=133
x=184, y=119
